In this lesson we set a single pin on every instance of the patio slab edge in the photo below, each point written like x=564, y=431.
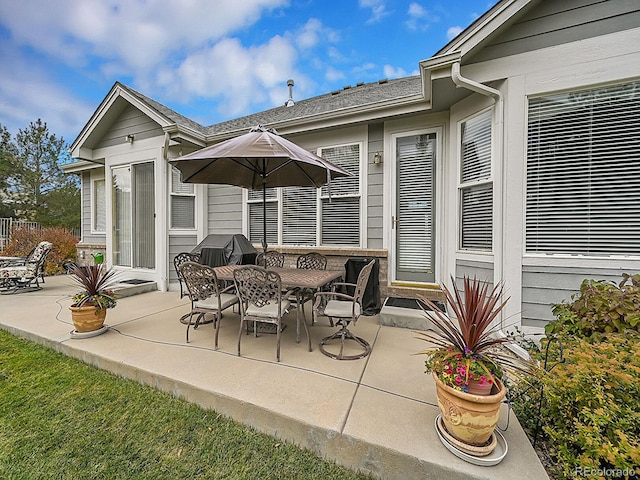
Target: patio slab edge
x=354, y=453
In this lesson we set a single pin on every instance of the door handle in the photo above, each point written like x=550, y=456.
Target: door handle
x=394, y=222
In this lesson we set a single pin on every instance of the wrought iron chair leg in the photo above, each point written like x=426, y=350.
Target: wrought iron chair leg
x=216, y=324
x=189, y=325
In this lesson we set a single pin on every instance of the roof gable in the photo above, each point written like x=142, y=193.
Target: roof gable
x=121, y=99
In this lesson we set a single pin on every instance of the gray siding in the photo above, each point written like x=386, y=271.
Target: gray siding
x=131, y=121
x=375, y=186
x=544, y=286
x=225, y=209
x=178, y=244
x=555, y=22
x=87, y=237
x=481, y=270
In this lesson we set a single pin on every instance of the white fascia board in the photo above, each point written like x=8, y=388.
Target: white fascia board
x=82, y=153
x=186, y=133
x=486, y=25
x=81, y=166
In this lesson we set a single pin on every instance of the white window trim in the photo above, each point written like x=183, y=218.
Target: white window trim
x=96, y=178
x=462, y=186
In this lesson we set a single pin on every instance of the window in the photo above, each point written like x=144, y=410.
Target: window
x=340, y=200
x=309, y=216
x=256, y=215
x=99, y=204
x=476, y=184
x=583, y=172
x=183, y=201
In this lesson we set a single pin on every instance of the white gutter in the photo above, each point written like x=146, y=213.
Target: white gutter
x=498, y=98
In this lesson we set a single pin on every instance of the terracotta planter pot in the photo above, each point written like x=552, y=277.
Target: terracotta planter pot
x=476, y=389
x=467, y=417
x=87, y=318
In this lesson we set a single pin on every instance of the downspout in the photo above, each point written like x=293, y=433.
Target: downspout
x=163, y=253
x=498, y=99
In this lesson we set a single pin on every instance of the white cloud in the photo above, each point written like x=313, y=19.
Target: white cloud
x=238, y=76
x=179, y=48
x=135, y=33
x=378, y=9
x=392, y=72
x=419, y=18
x=27, y=93
x=332, y=74
x=453, y=32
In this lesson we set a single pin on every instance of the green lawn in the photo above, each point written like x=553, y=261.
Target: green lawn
x=60, y=418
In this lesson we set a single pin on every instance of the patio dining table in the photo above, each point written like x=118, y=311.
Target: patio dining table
x=292, y=278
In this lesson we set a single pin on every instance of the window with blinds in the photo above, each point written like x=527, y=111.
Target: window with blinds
x=476, y=184
x=299, y=215
x=583, y=172
x=99, y=206
x=256, y=214
x=183, y=201
x=301, y=207
x=340, y=200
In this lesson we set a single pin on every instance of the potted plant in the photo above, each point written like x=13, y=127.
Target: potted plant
x=89, y=307
x=467, y=362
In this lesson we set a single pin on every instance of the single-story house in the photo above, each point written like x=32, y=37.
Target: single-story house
x=514, y=156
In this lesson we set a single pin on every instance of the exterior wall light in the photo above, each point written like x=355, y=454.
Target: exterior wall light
x=377, y=158
x=129, y=138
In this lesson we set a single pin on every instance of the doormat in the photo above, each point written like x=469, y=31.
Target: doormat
x=265, y=327
x=412, y=303
x=135, y=281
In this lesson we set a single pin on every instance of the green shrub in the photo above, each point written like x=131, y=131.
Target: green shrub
x=590, y=415
x=23, y=239
x=599, y=308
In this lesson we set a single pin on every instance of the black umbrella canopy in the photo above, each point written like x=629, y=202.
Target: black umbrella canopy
x=258, y=160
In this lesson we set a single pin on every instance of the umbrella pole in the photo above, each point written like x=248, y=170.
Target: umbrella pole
x=264, y=220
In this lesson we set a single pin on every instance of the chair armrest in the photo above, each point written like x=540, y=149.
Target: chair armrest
x=228, y=288
x=343, y=284
x=334, y=295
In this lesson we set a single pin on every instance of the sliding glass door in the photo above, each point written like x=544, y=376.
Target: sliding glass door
x=134, y=216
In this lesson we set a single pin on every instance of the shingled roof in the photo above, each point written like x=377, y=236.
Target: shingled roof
x=360, y=95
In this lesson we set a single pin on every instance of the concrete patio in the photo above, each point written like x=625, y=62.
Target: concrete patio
x=375, y=414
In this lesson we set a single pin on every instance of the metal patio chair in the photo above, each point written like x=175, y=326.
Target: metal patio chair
x=261, y=300
x=23, y=276
x=206, y=296
x=346, y=309
x=310, y=261
x=273, y=259
x=178, y=260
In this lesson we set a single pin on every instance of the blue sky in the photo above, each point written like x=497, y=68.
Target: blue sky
x=211, y=60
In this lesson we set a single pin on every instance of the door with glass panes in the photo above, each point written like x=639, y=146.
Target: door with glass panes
x=134, y=216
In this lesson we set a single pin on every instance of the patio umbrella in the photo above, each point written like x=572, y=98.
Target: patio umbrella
x=257, y=160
